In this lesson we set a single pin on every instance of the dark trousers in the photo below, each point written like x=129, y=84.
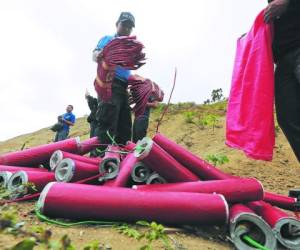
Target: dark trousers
x=287, y=98
x=93, y=127
x=114, y=116
x=61, y=135
x=140, y=127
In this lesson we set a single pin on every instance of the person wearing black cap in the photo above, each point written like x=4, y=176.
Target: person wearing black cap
x=115, y=116
x=285, y=15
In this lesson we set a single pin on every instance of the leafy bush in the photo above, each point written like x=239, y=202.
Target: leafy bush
x=189, y=116
x=217, y=159
x=208, y=120
x=153, y=232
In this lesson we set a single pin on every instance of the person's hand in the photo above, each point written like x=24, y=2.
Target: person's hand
x=275, y=9
x=155, y=104
x=99, y=57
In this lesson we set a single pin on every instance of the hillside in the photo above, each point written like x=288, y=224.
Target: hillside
x=181, y=124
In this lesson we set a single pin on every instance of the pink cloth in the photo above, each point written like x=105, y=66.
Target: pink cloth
x=250, y=114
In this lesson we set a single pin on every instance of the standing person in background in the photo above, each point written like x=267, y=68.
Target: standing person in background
x=141, y=123
x=285, y=15
x=91, y=119
x=67, y=119
x=114, y=116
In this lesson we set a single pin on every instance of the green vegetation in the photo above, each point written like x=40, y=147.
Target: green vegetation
x=217, y=159
x=27, y=188
x=153, y=232
x=189, y=116
x=208, y=120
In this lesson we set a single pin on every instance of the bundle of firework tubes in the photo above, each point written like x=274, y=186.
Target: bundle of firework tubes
x=153, y=180
x=126, y=52
x=141, y=91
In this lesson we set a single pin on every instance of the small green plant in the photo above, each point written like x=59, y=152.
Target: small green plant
x=217, y=159
x=189, y=116
x=153, y=232
x=8, y=218
x=4, y=193
x=27, y=244
x=36, y=240
x=208, y=120
x=95, y=245
x=36, y=236
x=129, y=231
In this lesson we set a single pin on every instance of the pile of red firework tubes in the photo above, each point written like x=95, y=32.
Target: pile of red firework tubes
x=153, y=180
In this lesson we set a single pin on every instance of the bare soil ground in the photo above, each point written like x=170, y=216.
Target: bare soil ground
x=279, y=175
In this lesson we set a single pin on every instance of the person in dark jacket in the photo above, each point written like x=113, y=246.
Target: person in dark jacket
x=285, y=15
x=91, y=119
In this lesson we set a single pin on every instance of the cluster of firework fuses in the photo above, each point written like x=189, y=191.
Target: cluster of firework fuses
x=126, y=52
x=154, y=180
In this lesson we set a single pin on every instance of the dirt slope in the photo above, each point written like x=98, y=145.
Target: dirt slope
x=280, y=175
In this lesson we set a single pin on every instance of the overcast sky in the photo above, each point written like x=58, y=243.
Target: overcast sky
x=46, y=45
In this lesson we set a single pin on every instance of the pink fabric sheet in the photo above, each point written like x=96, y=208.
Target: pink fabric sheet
x=250, y=111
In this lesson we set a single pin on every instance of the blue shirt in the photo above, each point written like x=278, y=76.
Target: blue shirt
x=120, y=73
x=68, y=117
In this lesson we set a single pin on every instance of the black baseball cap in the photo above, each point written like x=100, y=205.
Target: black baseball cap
x=126, y=16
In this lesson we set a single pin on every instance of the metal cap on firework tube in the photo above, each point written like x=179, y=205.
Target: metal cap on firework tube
x=287, y=231
x=286, y=227
x=65, y=170
x=110, y=164
x=4, y=178
x=245, y=223
x=22, y=182
x=143, y=148
x=111, y=167
x=41, y=201
x=140, y=172
x=59, y=155
x=155, y=178
x=16, y=184
x=55, y=159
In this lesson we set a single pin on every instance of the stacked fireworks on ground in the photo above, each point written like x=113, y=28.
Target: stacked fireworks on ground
x=141, y=90
x=196, y=192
